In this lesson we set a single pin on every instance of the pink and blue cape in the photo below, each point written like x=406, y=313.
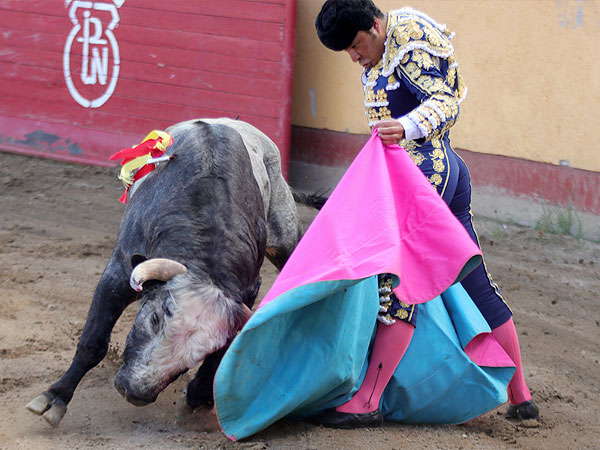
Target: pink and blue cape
x=307, y=346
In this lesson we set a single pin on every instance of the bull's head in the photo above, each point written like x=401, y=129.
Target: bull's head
x=181, y=320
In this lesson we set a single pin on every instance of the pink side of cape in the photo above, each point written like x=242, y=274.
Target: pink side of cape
x=484, y=350
x=383, y=217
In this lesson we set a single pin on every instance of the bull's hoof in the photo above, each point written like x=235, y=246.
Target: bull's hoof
x=202, y=418
x=51, y=411
x=39, y=405
x=55, y=414
x=182, y=409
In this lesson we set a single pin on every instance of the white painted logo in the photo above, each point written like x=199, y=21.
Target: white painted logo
x=96, y=47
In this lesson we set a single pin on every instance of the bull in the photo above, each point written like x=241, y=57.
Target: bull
x=190, y=246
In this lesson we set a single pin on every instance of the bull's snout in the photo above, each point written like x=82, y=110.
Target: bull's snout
x=124, y=388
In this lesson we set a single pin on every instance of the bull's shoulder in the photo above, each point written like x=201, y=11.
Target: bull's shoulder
x=255, y=140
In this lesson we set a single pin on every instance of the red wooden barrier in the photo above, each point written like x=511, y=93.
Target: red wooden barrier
x=81, y=79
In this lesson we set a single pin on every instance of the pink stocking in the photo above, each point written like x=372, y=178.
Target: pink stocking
x=391, y=341
x=506, y=335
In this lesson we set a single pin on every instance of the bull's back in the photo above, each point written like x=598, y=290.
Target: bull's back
x=207, y=156
x=209, y=149
x=264, y=154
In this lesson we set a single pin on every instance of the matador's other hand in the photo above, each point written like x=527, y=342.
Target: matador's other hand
x=390, y=131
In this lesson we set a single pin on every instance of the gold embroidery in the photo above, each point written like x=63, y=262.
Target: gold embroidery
x=372, y=114
x=406, y=28
x=401, y=314
x=401, y=37
x=413, y=42
x=388, y=310
x=384, y=113
x=435, y=179
x=408, y=145
x=423, y=59
x=375, y=72
x=417, y=157
x=439, y=166
x=381, y=96
x=437, y=153
x=418, y=49
x=386, y=282
x=451, y=77
x=377, y=114
x=440, y=95
x=412, y=70
x=370, y=96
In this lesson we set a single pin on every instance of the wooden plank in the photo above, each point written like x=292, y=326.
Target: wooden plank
x=190, y=97
x=200, y=42
x=17, y=20
x=39, y=7
x=127, y=35
x=216, y=82
x=31, y=39
x=146, y=98
x=77, y=144
x=161, y=76
x=266, y=11
x=61, y=141
x=32, y=57
x=259, y=3
x=197, y=23
x=157, y=20
x=239, y=9
x=41, y=84
x=118, y=113
x=208, y=62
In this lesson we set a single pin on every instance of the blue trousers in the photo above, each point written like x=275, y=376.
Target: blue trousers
x=448, y=173
x=456, y=192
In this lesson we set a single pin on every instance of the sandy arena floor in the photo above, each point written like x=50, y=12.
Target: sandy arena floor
x=58, y=223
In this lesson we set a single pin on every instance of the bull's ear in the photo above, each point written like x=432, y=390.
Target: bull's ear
x=137, y=259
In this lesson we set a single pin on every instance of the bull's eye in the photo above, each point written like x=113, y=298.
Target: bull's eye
x=155, y=322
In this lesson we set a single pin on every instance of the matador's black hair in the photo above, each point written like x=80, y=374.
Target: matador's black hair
x=340, y=20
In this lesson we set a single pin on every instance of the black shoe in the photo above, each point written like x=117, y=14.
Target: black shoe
x=334, y=419
x=523, y=411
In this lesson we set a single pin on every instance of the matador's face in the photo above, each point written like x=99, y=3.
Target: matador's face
x=367, y=47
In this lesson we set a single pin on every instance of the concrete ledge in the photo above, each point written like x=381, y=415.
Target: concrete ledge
x=522, y=210
x=487, y=202
x=546, y=183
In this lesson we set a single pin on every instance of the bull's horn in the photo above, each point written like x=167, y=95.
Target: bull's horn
x=162, y=269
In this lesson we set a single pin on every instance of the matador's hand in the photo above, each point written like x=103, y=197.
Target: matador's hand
x=390, y=131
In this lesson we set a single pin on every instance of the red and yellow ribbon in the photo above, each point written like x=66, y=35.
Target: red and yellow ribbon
x=135, y=159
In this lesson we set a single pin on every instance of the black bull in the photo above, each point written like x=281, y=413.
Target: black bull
x=192, y=240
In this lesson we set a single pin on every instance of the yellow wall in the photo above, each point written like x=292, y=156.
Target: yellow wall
x=532, y=68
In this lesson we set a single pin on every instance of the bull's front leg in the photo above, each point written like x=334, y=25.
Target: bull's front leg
x=111, y=297
x=200, y=389
x=199, y=392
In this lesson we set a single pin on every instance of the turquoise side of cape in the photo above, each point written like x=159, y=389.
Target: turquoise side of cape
x=309, y=351
x=436, y=381
x=296, y=353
